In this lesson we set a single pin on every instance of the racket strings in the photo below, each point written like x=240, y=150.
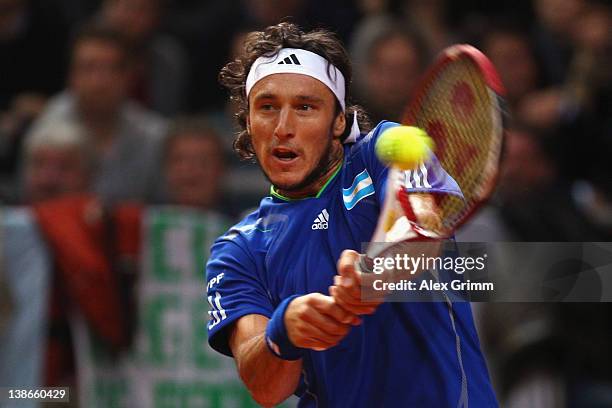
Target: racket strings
x=457, y=113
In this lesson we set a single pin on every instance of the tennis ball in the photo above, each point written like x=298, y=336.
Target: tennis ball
x=403, y=147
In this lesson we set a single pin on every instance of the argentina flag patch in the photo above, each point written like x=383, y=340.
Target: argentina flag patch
x=361, y=188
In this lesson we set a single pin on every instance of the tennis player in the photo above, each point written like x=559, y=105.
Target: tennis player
x=270, y=276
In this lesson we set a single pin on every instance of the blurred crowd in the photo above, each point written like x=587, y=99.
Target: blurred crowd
x=119, y=100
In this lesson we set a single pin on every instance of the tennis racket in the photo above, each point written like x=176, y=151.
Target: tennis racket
x=459, y=104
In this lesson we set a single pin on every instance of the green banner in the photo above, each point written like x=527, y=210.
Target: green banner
x=171, y=364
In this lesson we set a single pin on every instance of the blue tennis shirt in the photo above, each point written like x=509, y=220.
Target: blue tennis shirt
x=405, y=354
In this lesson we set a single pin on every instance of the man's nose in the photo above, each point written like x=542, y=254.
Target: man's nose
x=285, y=127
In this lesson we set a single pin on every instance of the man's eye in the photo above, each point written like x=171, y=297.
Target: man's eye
x=266, y=106
x=305, y=107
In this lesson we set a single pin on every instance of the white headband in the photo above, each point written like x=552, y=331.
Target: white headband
x=299, y=61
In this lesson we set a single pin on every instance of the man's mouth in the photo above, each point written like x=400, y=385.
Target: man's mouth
x=284, y=154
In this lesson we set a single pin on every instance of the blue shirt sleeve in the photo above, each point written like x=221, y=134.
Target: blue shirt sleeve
x=429, y=177
x=234, y=289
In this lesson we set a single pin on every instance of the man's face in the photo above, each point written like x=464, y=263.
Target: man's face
x=194, y=166
x=294, y=129
x=52, y=172
x=98, y=76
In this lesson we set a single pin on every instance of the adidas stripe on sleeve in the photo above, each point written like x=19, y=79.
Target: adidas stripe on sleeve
x=234, y=289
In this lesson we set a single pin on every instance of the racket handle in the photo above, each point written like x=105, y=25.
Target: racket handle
x=364, y=264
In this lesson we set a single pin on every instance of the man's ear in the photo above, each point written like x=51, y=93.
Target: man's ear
x=339, y=125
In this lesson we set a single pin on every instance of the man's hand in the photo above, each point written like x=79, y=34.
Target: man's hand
x=316, y=322
x=347, y=289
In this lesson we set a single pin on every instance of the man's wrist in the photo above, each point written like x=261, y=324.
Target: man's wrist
x=277, y=338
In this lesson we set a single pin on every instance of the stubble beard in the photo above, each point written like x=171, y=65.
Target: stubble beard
x=326, y=161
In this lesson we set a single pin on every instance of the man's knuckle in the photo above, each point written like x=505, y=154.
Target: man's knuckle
x=311, y=301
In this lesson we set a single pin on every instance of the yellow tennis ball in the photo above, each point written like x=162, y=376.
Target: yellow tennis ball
x=404, y=147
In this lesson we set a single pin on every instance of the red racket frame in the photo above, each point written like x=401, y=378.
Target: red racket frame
x=493, y=81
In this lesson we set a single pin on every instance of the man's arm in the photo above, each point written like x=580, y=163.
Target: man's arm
x=269, y=379
x=312, y=321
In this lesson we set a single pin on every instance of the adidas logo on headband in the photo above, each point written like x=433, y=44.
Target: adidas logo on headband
x=292, y=59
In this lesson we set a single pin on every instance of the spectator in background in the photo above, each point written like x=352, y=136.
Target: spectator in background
x=245, y=184
x=14, y=123
x=6, y=302
x=57, y=161
x=553, y=34
x=577, y=111
x=535, y=204
x=193, y=164
x=125, y=138
x=33, y=38
x=207, y=28
x=159, y=68
x=430, y=19
x=527, y=168
x=586, y=74
x=266, y=12
x=32, y=35
x=394, y=61
x=510, y=51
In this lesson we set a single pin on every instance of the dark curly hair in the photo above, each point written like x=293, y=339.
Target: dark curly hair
x=268, y=43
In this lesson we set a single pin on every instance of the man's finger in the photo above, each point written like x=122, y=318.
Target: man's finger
x=328, y=306
x=326, y=325
x=348, y=304
x=313, y=336
x=341, y=293
x=348, y=286
x=347, y=264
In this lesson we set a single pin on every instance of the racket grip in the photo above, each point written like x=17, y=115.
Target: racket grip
x=364, y=264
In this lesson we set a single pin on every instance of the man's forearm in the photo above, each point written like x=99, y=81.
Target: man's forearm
x=269, y=379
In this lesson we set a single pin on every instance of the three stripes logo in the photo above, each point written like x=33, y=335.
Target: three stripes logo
x=417, y=178
x=290, y=60
x=321, y=222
